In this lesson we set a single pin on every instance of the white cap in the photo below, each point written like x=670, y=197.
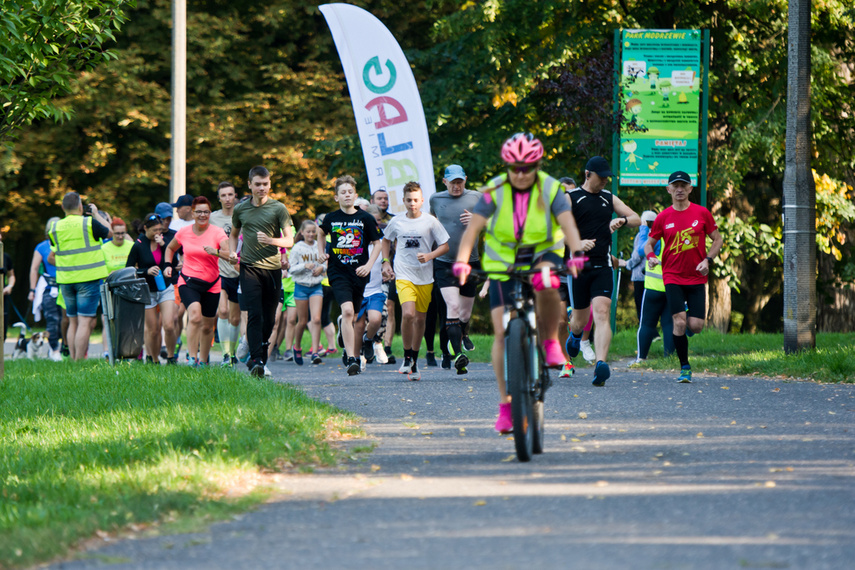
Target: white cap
x=648, y=216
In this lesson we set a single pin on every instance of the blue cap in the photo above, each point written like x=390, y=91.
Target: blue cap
x=454, y=172
x=185, y=200
x=600, y=166
x=164, y=210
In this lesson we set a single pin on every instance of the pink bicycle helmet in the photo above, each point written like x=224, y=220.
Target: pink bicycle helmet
x=522, y=148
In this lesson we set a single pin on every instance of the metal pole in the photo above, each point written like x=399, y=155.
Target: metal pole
x=616, y=160
x=179, y=99
x=799, y=209
x=705, y=111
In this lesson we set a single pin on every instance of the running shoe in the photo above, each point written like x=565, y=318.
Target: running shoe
x=415, y=375
x=554, y=356
x=242, y=351
x=685, y=375
x=505, y=423
x=353, y=367
x=431, y=360
x=171, y=360
x=344, y=359
x=275, y=354
x=380, y=354
x=390, y=358
x=234, y=361
x=446, y=361
x=298, y=356
x=191, y=361
x=461, y=361
x=567, y=370
x=163, y=353
x=288, y=356
x=339, y=339
x=316, y=358
x=329, y=352
x=227, y=361
x=572, y=345
x=467, y=343
x=363, y=363
x=267, y=372
x=367, y=349
x=636, y=363
x=406, y=367
x=601, y=373
x=588, y=351
x=149, y=360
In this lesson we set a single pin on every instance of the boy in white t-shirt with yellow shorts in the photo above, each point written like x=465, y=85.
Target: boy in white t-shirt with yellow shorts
x=416, y=232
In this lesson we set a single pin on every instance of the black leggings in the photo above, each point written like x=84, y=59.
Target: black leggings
x=436, y=309
x=327, y=305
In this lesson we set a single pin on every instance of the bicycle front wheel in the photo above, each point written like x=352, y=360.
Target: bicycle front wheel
x=519, y=384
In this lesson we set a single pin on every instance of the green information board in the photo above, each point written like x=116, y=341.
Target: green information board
x=660, y=99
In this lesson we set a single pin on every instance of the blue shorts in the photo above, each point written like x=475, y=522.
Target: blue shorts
x=82, y=299
x=302, y=293
x=375, y=302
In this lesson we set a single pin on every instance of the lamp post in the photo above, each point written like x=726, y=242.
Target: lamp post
x=179, y=100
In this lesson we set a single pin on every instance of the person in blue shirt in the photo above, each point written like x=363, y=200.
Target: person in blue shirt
x=44, y=293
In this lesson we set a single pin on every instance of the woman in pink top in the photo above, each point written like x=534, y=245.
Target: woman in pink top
x=199, y=282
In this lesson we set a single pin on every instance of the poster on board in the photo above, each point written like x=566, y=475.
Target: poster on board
x=660, y=100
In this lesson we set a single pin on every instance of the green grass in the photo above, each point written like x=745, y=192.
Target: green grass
x=85, y=447
x=744, y=355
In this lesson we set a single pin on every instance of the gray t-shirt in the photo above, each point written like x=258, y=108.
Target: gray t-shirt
x=222, y=220
x=447, y=209
x=415, y=236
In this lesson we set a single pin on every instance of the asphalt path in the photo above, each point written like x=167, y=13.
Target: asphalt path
x=645, y=473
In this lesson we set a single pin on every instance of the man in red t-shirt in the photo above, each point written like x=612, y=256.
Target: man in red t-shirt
x=685, y=262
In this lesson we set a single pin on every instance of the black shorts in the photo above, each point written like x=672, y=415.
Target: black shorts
x=692, y=296
x=564, y=292
x=500, y=291
x=230, y=286
x=208, y=301
x=443, y=276
x=596, y=282
x=392, y=295
x=348, y=289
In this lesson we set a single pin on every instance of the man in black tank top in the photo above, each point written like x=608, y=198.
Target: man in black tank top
x=593, y=208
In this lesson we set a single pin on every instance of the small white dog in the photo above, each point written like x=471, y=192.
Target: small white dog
x=36, y=346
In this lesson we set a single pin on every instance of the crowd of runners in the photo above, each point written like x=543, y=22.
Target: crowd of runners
x=244, y=276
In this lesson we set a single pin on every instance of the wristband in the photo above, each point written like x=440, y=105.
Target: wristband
x=385, y=260
x=651, y=254
x=709, y=260
x=32, y=290
x=625, y=221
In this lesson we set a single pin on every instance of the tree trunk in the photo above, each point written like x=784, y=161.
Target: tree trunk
x=718, y=313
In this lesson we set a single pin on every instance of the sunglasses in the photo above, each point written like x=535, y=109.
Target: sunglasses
x=153, y=217
x=522, y=169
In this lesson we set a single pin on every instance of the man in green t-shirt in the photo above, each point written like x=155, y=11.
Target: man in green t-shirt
x=265, y=225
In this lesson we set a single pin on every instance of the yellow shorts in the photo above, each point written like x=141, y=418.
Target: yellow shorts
x=418, y=293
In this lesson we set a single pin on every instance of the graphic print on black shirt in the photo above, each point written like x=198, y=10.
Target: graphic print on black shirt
x=350, y=235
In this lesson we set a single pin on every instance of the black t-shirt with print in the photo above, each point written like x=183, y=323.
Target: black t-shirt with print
x=350, y=235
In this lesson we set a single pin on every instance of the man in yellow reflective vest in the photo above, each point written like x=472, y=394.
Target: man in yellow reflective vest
x=80, y=267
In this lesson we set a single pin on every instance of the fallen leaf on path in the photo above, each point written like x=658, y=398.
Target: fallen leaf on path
x=508, y=458
x=564, y=438
x=725, y=388
x=700, y=434
x=583, y=416
x=375, y=468
x=479, y=503
x=406, y=477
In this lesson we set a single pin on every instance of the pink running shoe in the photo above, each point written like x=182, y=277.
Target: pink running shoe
x=554, y=356
x=505, y=424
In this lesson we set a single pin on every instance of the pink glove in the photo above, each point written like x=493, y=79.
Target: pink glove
x=540, y=284
x=461, y=271
x=577, y=262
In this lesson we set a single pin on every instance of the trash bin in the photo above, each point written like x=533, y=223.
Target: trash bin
x=124, y=297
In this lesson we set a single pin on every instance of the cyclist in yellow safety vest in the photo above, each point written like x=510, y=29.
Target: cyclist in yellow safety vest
x=80, y=267
x=528, y=220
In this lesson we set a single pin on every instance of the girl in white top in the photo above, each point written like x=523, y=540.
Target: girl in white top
x=308, y=273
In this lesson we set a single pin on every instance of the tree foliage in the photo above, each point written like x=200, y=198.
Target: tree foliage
x=43, y=45
x=265, y=86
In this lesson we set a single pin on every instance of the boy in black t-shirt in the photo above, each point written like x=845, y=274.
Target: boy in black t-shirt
x=351, y=230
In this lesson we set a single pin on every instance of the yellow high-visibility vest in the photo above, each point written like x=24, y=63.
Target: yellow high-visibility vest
x=77, y=251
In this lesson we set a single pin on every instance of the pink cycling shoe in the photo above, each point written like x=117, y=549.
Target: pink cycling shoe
x=504, y=423
x=554, y=356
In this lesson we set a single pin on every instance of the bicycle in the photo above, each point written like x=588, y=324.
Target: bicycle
x=526, y=375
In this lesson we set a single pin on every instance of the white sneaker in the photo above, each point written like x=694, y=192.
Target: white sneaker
x=636, y=363
x=587, y=351
x=380, y=353
x=55, y=355
x=242, y=351
x=362, y=363
x=267, y=372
